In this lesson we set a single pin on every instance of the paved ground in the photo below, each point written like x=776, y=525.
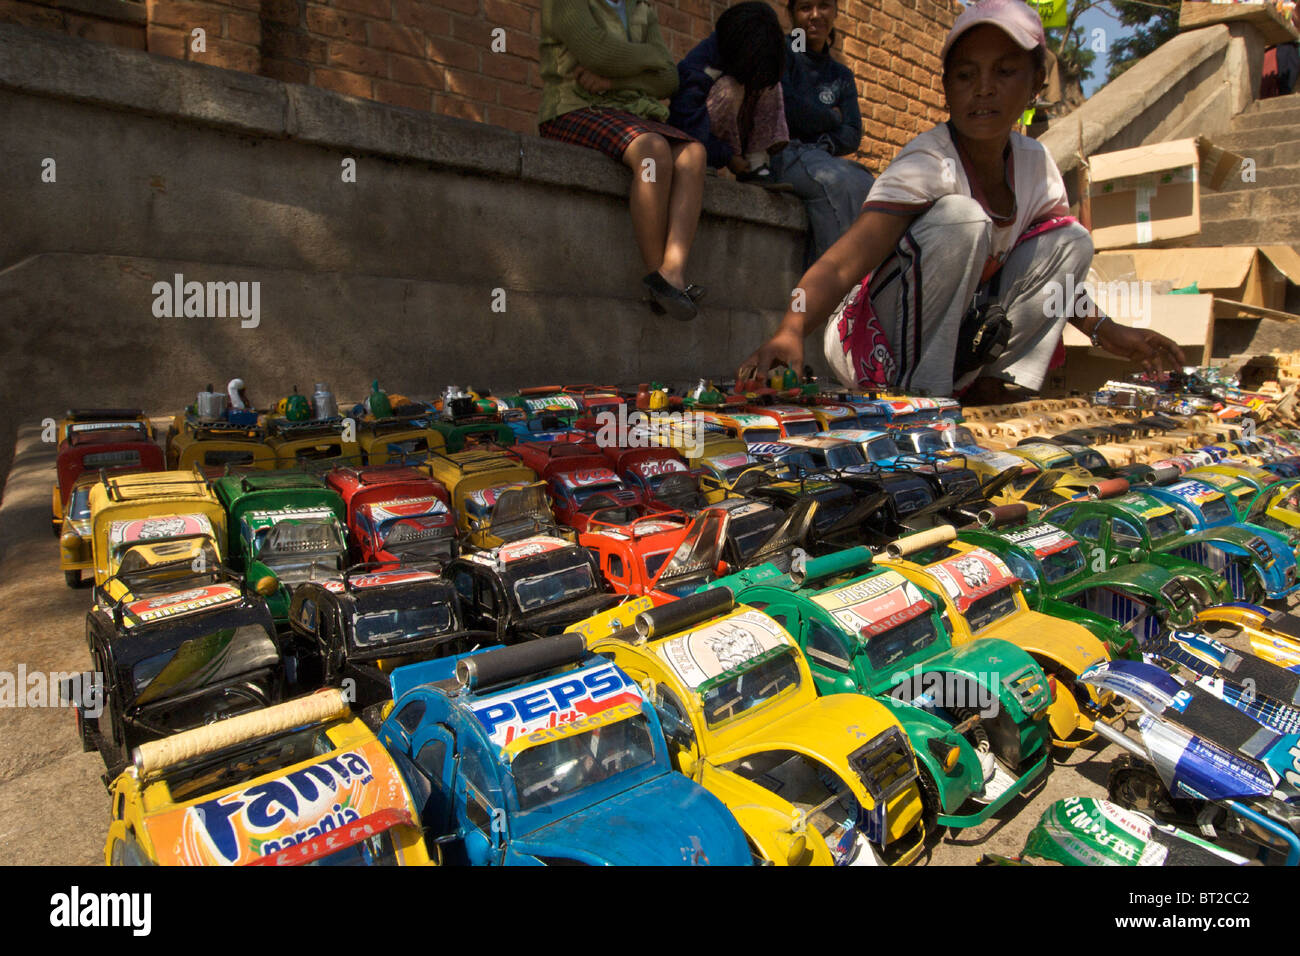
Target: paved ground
x=53, y=805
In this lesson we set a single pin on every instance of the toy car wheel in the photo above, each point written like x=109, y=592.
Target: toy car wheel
x=1135, y=785
x=72, y=579
x=930, y=804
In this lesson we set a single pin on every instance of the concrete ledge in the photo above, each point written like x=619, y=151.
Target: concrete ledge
x=53, y=65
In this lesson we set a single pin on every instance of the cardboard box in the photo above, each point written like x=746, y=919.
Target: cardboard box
x=1255, y=275
x=1134, y=197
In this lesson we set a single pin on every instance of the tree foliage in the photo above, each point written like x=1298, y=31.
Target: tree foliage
x=1153, y=22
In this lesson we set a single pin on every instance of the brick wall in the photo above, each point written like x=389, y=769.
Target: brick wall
x=477, y=59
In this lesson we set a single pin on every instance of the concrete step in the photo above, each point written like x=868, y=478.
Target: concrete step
x=1278, y=230
x=1262, y=202
x=1287, y=117
x=1266, y=175
x=1256, y=137
x=1274, y=104
x=1285, y=153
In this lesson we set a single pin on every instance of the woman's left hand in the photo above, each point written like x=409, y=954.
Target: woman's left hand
x=592, y=82
x=1156, y=352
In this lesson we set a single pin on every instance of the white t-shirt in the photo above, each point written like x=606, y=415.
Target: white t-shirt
x=932, y=166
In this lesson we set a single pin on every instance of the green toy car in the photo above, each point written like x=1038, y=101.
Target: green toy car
x=1123, y=605
x=283, y=525
x=976, y=715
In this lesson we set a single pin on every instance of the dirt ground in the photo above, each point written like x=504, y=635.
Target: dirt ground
x=54, y=804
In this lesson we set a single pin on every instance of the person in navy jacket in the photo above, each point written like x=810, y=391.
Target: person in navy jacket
x=825, y=123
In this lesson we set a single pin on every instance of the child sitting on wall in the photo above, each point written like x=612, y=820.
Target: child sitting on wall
x=729, y=94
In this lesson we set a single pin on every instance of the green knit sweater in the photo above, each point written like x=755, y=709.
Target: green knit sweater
x=589, y=33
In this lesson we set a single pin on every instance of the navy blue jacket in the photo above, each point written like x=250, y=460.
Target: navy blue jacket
x=813, y=84
x=688, y=109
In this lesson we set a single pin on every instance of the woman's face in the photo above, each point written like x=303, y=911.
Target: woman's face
x=816, y=18
x=989, y=83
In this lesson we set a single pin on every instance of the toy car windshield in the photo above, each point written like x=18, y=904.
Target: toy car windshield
x=991, y=607
x=220, y=458
x=79, y=506
x=679, y=489
x=548, y=771
x=887, y=647
x=742, y=689
x=391, y=625
x=1060, y=565
x=881, y=449
x=1163, y=526
x=607, y=488
x=158, y=564
x=551, y=580
x=749, y=531
x=296, y=549
x=416, y=539
x=1216, y=510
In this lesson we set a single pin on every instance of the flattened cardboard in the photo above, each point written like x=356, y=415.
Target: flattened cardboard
x=1255, y=275
x=1187, y=319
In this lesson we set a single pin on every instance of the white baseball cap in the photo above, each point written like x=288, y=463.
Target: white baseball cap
x=1015, y=18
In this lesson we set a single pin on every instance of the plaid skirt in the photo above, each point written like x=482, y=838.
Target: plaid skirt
x=609, y=130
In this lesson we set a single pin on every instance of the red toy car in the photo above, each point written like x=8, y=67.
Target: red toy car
x=111, y=450
x=396, y=515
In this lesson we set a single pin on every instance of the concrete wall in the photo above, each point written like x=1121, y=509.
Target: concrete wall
x=165, y=167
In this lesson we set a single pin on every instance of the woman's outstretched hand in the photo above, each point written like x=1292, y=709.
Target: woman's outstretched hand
x=1154, y=351
x=785, y=347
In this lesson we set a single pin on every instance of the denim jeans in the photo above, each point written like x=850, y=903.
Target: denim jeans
x=832, y=189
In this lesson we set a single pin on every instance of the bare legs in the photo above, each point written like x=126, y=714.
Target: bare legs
x=667, y=190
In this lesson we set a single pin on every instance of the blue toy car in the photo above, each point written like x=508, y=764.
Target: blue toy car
x=546, y=754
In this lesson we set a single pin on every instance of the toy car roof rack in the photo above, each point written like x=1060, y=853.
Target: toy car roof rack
x=508, y=664
x=154, y=756
x=264, y=480
x=155, y=489
x=104, y=436
x=484, y=458
x=221, y=429
x=102, y=414
x=282, y=427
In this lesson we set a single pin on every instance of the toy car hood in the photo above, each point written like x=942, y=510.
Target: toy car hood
x=971, y=575
x=710, y=650
x=874, y=604
x=586, y=477
x=653, y=467
x=667, y=821
x=350, y=794
x=1195, y=739
x=179, y=603
x=1082, y=831
x=144, y=530
x=419, y=506
x=257, y=520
